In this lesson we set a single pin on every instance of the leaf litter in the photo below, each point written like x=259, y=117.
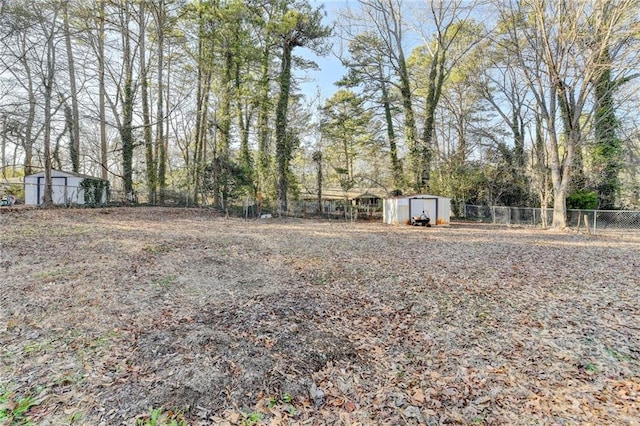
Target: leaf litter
x=107, y=314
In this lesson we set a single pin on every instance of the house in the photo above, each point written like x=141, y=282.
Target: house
x=66, y=188
x=357, y=196
x=366, y=202
x=399, y=210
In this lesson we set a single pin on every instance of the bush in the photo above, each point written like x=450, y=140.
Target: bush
x=96, y=191
x=582, y=200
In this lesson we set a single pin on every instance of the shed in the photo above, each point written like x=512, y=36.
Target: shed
x=399, y=210
x=66, y=188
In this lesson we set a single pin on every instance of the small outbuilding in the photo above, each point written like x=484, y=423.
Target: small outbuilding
x=66, y=188
x=400, y=210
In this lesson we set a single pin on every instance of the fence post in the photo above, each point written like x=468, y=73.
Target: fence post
x=586, y=222
x=493, y=213
x=595, y=215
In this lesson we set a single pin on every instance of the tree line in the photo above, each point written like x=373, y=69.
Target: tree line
x=508, y=102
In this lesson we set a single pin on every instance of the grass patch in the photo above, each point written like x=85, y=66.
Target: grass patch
x=162, y=417
x=31, y=231
x=166, y=281
x=617, y=355
x=14, y=407
x=54, y=274
x=157, y=249
x=36, y=347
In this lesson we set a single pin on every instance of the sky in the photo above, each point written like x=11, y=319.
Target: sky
x=330, y=69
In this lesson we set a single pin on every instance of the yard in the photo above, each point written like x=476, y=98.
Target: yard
x=111, y=316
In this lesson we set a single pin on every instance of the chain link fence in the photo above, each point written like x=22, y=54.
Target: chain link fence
x=332, y=209
x=595, y=220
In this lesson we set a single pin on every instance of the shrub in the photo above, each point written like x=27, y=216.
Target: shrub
x=583, y=200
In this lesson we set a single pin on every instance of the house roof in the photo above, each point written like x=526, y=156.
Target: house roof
x=339, y=194
x=62, y=172
x=399, y=197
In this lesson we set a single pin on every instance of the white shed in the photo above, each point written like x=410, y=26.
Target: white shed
x=66, y=188
x=399, y=210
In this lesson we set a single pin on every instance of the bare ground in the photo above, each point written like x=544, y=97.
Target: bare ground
x=108, y=314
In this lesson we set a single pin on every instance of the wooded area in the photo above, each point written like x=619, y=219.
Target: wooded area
x=501, y=102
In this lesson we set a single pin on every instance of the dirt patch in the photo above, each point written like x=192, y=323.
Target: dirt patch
x=107, y=314
x=229, y=355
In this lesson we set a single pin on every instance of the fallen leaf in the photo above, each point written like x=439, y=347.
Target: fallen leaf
x=418, y=396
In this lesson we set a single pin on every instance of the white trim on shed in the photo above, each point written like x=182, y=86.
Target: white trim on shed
x=398, y=210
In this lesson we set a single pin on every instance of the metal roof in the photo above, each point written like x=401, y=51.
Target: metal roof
x=74, y=174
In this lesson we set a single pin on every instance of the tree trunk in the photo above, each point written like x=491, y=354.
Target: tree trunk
x=31, y=116
x=160, y=148
x=74, y=123
x=282, y=146
x=541, y=170
x=264, y=156
x=204, y=78
x=518, y=129
x=396, y=165
x=146, y=116
x=244, y=122
x=317, y=157
x=127, y=96
x=167, y=122
x=434, y=91
x=104, y=169
x=3, y=147
x=560, y=172
x=409, y=123
x=48, y=81
x=68, y=118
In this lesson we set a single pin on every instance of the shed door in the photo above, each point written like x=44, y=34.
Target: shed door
x=426, y=205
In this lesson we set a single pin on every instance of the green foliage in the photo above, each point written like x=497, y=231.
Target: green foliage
x=157, y=249
x=617, y=355
x=590, y=367
x=582, y=200
x=17, y=190
x=96, y=191
x=14, y=408
x=160, y=417
x=251, y=419
x=301, y=26
x=228, y=180
x=166, y=282
x=606, y=150
x=484, y=183
x=346, y=126
x=286, y=398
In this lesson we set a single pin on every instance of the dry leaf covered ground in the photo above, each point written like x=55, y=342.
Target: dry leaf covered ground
x=111, y=316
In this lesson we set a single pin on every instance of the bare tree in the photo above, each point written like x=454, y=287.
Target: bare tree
x=19, y=42
x=73, y=118
x=554, y=47
x=49, y=27
x=104, y=169
x=449, y=20
x=385, y=18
